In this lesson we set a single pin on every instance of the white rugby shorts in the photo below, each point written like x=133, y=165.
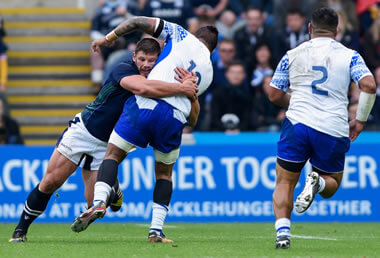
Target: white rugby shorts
x=79, y=146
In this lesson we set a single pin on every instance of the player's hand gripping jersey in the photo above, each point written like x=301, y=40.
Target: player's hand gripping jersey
x=190, y=53
x=318, y=74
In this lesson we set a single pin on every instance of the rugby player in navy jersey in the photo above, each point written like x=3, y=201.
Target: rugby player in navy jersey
x=158, y=122
x=84, y=142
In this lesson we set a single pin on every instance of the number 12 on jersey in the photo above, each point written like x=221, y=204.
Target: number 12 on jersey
x=191, y=67
x=314, y=83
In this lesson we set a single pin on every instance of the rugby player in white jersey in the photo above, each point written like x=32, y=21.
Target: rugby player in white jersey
x=317, y=74
x=84, y=142
x=157, y=122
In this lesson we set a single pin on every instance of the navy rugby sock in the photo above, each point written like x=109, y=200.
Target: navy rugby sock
x=161, y=198
x=107, y=177
x=35, y=205
x=108, y=172
x=163, y=192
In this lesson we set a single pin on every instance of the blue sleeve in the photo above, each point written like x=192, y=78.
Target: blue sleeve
x=280, y=79
x=358, y=68
x=123, y=70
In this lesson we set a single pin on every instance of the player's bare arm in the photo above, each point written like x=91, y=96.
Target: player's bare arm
x=139, y=85
x=145, y=24
x=279, y=97
x=194, y=113
x=366, y=101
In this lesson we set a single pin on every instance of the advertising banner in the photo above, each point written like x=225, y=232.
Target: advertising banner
x=213, y=182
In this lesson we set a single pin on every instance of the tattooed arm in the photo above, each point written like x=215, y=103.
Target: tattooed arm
x=145, y=24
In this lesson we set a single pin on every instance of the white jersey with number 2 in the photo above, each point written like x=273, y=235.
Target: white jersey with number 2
x=318, y=74
x=184, y=50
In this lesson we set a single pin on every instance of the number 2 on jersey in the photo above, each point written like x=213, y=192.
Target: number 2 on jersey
x=314, y=83
x=191, y=67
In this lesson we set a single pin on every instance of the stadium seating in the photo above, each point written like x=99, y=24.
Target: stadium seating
x=49, y=71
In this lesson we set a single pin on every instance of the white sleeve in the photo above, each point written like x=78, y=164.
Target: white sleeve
x=169, y=31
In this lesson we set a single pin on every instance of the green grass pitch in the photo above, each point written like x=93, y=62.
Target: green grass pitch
x=194, y=240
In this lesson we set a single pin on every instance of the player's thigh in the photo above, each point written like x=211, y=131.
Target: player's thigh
x=167, y=135
x=285, y=176
x=79, y=146
x=58, y=170
x=89, y=177
x=133, y=125
x=294, y=145
x=328, y=152
x=118, y=147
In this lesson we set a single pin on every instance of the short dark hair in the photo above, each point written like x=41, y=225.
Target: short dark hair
x=325, y=19
x=209, y=34
x=148, y=46
x=295, y=11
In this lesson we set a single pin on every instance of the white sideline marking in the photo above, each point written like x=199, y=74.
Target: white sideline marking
x=144, y=225
x=313, y=237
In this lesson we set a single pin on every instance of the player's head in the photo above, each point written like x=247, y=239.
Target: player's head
x=145, y=56
x=324, y=22
x=209, y=36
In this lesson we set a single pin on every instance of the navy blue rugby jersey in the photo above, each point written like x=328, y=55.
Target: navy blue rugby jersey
x=101, y=115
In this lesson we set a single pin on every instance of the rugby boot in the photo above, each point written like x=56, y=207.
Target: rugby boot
x=18, y=236
x=283, y=242
x=89, y=216
x=306, y=197
x=117, y=200
x=158, y=237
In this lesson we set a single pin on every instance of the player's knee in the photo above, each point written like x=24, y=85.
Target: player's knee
x=49, y=184
x=115, y=153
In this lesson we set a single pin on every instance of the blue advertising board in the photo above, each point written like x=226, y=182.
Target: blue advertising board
x=218, y=179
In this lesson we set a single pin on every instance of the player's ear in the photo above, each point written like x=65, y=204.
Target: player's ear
x=134, y=57
x=310, y=27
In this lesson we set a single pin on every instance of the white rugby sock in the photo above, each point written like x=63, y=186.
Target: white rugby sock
x=322, y=184
x=102, y=192
x=282, y=227
x=159, y=213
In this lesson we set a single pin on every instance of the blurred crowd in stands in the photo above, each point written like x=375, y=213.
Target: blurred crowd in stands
x=9, y=128
x=254, y=35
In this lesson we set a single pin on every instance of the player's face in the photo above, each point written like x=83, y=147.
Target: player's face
x=144, y=62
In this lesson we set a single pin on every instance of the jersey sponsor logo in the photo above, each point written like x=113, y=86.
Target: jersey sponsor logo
x=65, y=146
